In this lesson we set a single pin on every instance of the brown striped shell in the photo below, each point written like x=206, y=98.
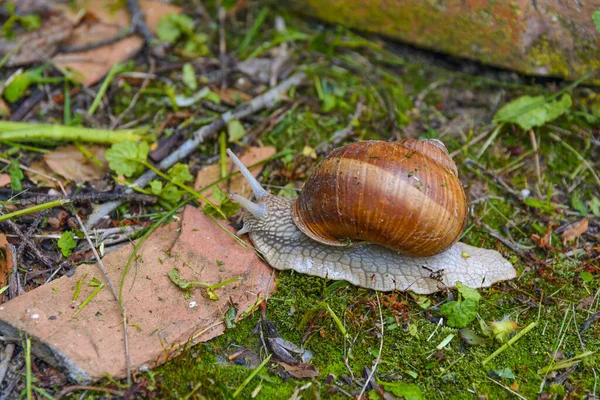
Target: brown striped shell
x=403, y=195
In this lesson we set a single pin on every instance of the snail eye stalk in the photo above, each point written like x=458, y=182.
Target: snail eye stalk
x=257, y=189
x=257, y=210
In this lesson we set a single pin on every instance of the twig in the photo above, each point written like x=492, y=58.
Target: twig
x=341, y=135
x=508, y=243
x=222, y=46
x=122, y=34
x=138, y=21
x=378, y=359
x=507, y=388
x=136, y=96
x=75, y=388
x=29, y=243
x=495, y=177
x=510, y=342
x=112, y=289
x=265, y=100
x=5, y=358
x=39, y=198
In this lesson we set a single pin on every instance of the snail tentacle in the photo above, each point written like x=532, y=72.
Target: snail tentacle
x=257, y=189
x=259, y=211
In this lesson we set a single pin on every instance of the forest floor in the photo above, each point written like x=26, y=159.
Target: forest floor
x=531, y=179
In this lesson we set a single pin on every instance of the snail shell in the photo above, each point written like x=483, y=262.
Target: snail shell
x=402, y=195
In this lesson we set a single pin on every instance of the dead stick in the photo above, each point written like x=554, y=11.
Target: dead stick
x=39, y=198
x=265, y=100
x=29, y=243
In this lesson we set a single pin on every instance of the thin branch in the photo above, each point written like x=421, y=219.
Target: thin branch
x=265, y=100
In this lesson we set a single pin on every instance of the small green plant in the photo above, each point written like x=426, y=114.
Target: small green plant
x=20, y=83
x=596, y=19
x=127, y=158
x=179, y=27
x=228, y=207
x=463, y=311
x=67, y=243
x=170, y=193
x=29, y=22
x=528, y=112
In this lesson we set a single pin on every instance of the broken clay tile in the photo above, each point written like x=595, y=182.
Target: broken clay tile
x=161, y=320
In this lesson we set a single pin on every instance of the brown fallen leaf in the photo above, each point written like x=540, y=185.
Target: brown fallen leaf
x=6, y=264
x=90, y=66
x=70, y=163
x=300, y=371
x=577, y=229
x=543, y=242
x=237, y=184
x=4, y=180
x=91, y=345
x=4, y=110
x=39, y=45
x=39, y=171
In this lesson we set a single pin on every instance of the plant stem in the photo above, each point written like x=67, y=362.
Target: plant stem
x=23, y=131
x=39, y=207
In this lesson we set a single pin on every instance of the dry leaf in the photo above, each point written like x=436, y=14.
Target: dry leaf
x=237, y=184
x=6, y=264
x=576, y=230
x=36, y=173
x=4, y=110
x=544, y=241
x=70, y=163
x=39, y=45
x=90, y=66
x=4, y=180
x=302, y=370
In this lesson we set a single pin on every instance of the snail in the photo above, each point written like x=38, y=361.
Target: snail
x=380, y=215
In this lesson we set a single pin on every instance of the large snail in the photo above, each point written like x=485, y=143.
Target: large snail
x=381, y=215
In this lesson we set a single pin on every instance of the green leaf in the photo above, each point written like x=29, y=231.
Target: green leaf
x=171, y=27
x=596, y=19
x=470, y=337
x=30, y=22
x=586, y=276
x=178, y=280
x=595, y=206
x=504, y=373
x=19, y=85
x=67, y=243
x=536, y=203
x=189, y=76
x=228, y=207
x=578, y=204
x=16, y=176
x=127, y=158
x=459, y=314
x=236, y=130
x=468, y=293
x=228, y=4
x=156, y=186
x=171, y=194
x=230, y=315
x=527, y=111
x=408, y=391
x=180, y=173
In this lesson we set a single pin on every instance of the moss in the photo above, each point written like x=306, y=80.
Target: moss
x=547, y=59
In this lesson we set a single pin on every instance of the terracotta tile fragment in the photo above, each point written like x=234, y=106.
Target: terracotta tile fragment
x=160, y=317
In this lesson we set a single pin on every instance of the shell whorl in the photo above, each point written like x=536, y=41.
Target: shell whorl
x=403, y=195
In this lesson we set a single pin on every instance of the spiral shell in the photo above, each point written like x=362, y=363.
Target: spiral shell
x=402, y=195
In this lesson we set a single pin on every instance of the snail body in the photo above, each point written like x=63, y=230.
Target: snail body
x=351, y=221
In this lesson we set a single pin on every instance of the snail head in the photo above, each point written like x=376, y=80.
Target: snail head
x=258, y=210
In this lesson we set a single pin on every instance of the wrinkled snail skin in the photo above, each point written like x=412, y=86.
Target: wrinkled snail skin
x=271, y=227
